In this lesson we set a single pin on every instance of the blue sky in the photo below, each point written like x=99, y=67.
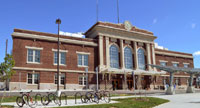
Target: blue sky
x=175, y=22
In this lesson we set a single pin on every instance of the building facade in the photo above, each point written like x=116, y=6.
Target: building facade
x=120, y=51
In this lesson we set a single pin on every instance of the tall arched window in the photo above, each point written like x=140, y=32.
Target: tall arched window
x=114, y=56
x=141, y=59
x=128, y=58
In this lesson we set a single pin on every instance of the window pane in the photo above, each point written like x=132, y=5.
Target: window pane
x=175, y=64
x=63, y=57
x=80, y=81
x=62, y=79
x=141, y=59
x=55, y=78
x=128, y=58
x=163, y=63
x=36, y=78
x=114, y=57
x=37, y=56
x=85, y=60
x=185, y=65
x=79, y=59
x=29, y=78
x=55, y=57
x=30, y=55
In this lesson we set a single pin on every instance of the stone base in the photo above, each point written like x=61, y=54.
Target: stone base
x=190, y=90
x=170, y=91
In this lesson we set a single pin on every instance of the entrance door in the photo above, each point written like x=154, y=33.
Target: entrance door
x=115, y=84
x=130, y=84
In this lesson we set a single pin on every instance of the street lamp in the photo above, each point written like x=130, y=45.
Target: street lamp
x=58, y=21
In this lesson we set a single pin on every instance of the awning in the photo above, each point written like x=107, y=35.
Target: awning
x=129, y=71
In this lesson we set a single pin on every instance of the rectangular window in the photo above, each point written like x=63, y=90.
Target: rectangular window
x=186, y=65
x=33, y=56
x=62, y=58
x=62, y=79
x=175, y=64
x=82, y=60
x=33, y=78
x=82, y=80
x=163, y=63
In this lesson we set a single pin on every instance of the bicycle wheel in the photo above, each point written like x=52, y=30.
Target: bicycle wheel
x=95, y=98
x=20, y=101
x=57, y=100
x=38, y=98
x=88, y=96
x=84, y=99
x=32, y=101
x=45, y=100
x=25, y=98
x=51, y=97
x=106, y=96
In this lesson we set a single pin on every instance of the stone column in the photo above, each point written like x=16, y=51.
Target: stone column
x=135, y=55
x=148, y=56
x=107, y=53
x=153, y=56
x=122, y=54
x=190, y=89
x=101, y=51
x=170, y=89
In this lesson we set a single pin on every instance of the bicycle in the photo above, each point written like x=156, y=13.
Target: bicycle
x=46, y=99
x=90, y=97
x=27, y=99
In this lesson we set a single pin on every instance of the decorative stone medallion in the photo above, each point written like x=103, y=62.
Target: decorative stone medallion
x=128, y=25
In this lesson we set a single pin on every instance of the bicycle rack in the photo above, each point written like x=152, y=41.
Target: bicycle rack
x=65, y=96
x=77, y=93
x=38, y=94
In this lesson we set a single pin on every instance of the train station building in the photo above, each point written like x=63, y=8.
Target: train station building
x=120, y=51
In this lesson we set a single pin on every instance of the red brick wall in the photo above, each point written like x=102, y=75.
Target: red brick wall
x=47, y=55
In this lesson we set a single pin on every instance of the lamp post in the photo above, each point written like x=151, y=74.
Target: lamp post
x=58, y=21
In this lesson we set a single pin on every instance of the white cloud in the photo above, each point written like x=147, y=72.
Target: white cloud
x=155, y=20
x=197, y=53
x=160, y=47
x=193, y=25
x=79, y=34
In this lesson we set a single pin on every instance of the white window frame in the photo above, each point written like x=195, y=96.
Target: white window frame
x=34, y=50
x=163, y=61
x=175, y=63
x=84, y=79
x=59, y=79
x=60, y=51
x=33, y=78
x=82, y=54
x=186, y=64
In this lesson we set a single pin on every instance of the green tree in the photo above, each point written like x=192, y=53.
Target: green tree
x=6, y=68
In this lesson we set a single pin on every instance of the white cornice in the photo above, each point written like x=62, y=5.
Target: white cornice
x=87, y=53
x=173, y=54
x=59, y=50
x=49, y=70
x=35, y=48
x=125, y=35
x=43, y=37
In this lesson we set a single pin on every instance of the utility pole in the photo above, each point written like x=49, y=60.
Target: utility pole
x=6, y=46
x=58, y=21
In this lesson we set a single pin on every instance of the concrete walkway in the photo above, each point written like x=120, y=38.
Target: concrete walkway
x=181, y=101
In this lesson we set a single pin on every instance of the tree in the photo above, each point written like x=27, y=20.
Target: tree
x=6, y=68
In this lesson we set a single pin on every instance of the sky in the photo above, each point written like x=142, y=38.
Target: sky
x=176, y=23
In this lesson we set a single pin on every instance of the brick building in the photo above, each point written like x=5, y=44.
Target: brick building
x=116, y=49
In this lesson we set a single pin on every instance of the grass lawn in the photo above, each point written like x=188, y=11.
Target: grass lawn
x=147, y=102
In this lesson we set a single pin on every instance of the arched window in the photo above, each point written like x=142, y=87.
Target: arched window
x=114, y=56
x=141, y=59
x=128, y=58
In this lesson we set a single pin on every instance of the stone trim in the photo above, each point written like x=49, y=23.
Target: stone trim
x=34, y=48
x=163, y=61
x=85, y=53
x=172, y=54
x=175, y=62
x=54, y=39
x=55, y=50
x=50, y=70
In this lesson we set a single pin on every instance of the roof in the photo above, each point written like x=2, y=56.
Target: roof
x=119, y=26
